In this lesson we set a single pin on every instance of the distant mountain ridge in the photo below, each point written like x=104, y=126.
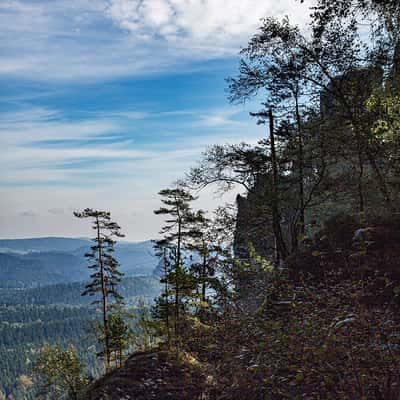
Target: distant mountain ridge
x=34, y=262
x=42, y=244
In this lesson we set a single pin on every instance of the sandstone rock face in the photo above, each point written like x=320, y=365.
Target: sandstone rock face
x=253, y=223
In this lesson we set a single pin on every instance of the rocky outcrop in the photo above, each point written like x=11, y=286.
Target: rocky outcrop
x=152, y=375
x=253, y=223
x=354, y=87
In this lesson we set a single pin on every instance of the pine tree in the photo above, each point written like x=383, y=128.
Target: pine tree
x=120, y=335
x=105, y=276
x=177, y=232
x=162, y=311
x=207, y=247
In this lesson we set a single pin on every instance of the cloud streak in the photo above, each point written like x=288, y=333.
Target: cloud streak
x=82, y=40
x=223, y=25
x=50, y=150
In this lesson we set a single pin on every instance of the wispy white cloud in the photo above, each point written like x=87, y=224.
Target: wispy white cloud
x=40, y=147
x=129, y=190
x=82, y=40
x=207, y=24
x=31, y=115
x=220, y=117
x=28, y=132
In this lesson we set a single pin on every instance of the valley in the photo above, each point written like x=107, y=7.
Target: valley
x=40, y=303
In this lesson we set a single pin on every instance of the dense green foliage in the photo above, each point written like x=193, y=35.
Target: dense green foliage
x=32, y=327
x=57, y=315
x=59, y=374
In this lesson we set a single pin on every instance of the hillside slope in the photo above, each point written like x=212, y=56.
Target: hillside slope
x=152, y=375
x=30, y=263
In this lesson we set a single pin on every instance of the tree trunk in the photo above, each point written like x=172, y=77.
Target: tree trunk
x=380, y=179
x=301, y=165
x=166, y=301
x=280, y=244
x=361, y=201
x=203, y=276
x=177, y=272
x=104, y=298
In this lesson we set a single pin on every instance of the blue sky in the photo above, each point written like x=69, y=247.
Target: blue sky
x=105, y=102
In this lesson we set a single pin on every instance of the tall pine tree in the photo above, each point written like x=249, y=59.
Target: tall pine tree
x=105, y=276
x=178, y=230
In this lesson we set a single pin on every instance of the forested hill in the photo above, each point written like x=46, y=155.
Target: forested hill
x=41, y=282
x=56, y=315
x=70, y=293
x=29, y=263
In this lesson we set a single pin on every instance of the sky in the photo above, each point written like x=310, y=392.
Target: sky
x=103, y=103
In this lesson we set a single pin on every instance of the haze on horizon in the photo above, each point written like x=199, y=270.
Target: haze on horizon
x=106, y=102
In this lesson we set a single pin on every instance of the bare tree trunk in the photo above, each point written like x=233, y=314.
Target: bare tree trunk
x=301, y=165
x=177, y=271
x=166, y=301
x=104, y=297
x=280, y=244
x=360, y=182
x=203, y=276
x=380, y=179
